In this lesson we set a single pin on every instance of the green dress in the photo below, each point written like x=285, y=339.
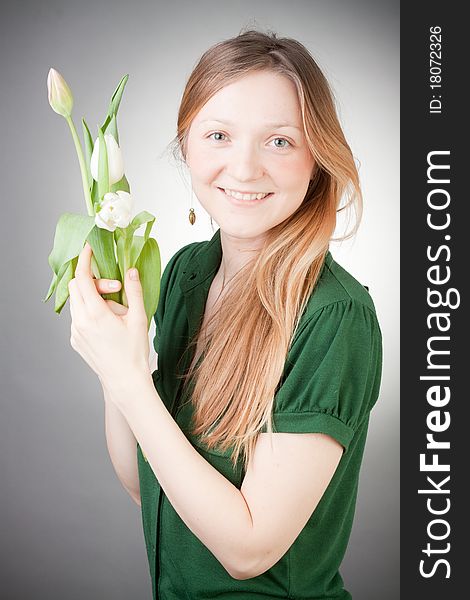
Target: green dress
x=330, y=383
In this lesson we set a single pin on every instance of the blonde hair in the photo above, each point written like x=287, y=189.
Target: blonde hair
x=235, y=383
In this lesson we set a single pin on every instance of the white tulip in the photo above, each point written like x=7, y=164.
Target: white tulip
x=59, y=93
x=115, y=160
x=115, y=211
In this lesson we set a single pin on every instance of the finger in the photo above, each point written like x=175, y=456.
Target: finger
x=74, y=291
x=135, y=297
x=76, y=300
x=84, y=261
x=118, y=309
x=91, y=298
x=104, y=286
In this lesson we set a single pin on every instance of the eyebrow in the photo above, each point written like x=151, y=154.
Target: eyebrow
x=270, y=124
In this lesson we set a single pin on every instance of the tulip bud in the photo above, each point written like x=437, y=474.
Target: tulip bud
x=60, y=95
x=115, y=160
x=115, y=211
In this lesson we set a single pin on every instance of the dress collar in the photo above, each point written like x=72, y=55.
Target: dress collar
x=203, y=264
x=206, y=261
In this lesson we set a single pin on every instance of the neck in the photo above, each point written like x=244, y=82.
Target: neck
x=236, y=252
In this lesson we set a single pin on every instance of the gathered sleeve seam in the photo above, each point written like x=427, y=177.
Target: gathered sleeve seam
x=349, y=300
x=318, y=421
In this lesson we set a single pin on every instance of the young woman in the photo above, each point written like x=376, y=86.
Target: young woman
x=250, y=433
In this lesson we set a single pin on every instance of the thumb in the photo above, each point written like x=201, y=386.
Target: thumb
x=134, y=293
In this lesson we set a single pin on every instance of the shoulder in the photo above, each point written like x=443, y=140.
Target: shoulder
x=333, y=368
x=173, y=271
x=176, y=265
x=337, y=286
x=192, y=253
x=340, y=310
x=182, y=255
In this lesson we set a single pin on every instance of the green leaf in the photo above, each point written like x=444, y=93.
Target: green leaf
x=103, y=174
x=140, y=219
x=70, y=235
x=123, y=185
x=54, y=282
x=137, y=244
x=149, y=266
x=117, y=233
x=112, y=129
x=115, y=101
x=88, y=151
x=102, y=244
x=95, y=194
x=62, y=291
x=148, y=229
x=137, y=240
x=123, y=249
x=52, y=287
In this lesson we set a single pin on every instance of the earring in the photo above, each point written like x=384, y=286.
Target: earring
x=192, y=214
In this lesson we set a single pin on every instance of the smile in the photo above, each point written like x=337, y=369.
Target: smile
x=239, y=197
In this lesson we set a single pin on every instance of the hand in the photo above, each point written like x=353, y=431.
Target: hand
x=103, y=286
x=112, y=339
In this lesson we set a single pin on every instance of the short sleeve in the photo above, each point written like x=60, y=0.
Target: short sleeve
x=332, y=374
x=166, y=283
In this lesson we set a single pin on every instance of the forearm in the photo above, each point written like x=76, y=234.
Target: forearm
x=208, y=503
x=122, y=447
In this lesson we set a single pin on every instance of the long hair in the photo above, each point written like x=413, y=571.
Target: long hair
x=246, y=342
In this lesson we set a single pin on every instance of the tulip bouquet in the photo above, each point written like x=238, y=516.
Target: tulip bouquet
x=108, y=227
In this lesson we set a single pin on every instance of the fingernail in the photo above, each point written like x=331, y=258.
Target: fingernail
x=134, y=275
x=114, y=285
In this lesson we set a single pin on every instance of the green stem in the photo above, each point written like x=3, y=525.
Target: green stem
x=83, y=169
x=126, y=265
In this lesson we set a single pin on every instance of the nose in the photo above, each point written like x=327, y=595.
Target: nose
x=245, y=163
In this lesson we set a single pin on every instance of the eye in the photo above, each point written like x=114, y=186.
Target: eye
x=216, y=133
x=286, y=145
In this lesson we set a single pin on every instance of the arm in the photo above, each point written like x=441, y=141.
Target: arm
x=122, y=448
x=282, y=486
x=241, y=536
x=121, y=444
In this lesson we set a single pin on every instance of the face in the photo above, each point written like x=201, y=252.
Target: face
x=248, y=139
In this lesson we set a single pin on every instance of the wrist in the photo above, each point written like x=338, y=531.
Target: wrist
x=126, y=391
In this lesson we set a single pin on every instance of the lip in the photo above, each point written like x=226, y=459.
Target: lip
x=246, y=203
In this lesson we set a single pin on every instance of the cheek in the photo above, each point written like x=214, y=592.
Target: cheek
x=293, y=171
x=202, y=162
x=292, y=175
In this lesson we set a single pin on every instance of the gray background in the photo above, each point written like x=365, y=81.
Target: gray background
x=68, y=529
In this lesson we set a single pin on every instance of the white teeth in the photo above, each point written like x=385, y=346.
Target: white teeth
x=240, y=196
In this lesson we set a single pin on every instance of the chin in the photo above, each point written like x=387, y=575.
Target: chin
x=241, y=230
